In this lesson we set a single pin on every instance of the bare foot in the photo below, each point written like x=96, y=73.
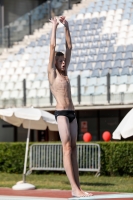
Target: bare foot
x=87, y=193
x=81, y=193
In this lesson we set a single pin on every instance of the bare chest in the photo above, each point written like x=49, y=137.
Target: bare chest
x=62, y=84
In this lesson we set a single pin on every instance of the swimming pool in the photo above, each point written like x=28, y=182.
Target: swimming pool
x=95, y=197
x=106, y=196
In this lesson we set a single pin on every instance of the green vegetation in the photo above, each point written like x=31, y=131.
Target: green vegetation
x=60, y=181
x=116, y=158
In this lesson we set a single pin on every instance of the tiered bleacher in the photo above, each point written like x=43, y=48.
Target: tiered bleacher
x=102, y=37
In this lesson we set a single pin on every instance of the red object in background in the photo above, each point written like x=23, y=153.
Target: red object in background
x=106, y=136
x=87, y=137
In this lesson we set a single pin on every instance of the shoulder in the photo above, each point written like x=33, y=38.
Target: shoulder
x=51, y=75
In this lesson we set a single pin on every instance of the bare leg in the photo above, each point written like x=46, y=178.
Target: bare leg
x=69, y=151
x=73, y=133
x=64, y=131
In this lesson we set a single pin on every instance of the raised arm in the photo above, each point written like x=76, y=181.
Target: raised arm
x=68, y=40
x=52, y=44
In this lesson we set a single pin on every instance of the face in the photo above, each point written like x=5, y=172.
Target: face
x=60, y=63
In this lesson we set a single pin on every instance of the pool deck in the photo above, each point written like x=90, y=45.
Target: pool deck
x=62, y=194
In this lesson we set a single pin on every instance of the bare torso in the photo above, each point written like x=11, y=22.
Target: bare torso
x=62, y=92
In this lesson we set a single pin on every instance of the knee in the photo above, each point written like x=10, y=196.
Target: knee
x=67, y=148
x=73, y=146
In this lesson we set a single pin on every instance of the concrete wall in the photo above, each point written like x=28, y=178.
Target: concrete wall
x=6, y=133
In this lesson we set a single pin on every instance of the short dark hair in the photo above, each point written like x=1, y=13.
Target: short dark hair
x=58, y=53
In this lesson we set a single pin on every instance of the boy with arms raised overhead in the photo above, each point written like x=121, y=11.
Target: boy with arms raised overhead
x=64, y=114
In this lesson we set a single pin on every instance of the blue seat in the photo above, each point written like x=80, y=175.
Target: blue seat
x=117, y=64
x=129, y=48
x=112, y=42
x=21, y=51
x=75, y=54
x=113, y=36
x=102, y=50
x=125, y=71
x=118, y=56
x=105, y=37
x=103, y=43
x=86, y=21
x=111, y=49
x=102, y=19
x=90, y=32
x=86, y=45
x=71, y=22
x=43, y=37
x=92, y=52
x=120, y=49
x=89, y=10
x=79, y=21
x=82, y=33
x=127, y=11
x=121, y=6
x=96, y=38
x=108, y=65
x=105, y=8
x=83, y=52
x=127, y=63
x=97, y=9
x=98, y=65
x=128, y=55
x=100, y=25
x=85, y=27
x=92, y=26
x=88, y=65
x=100, y=57
x=73, y=60
x=74, y=40
x=115, y=72
x=71, y=67
x=129, y=4
x=126, y=15
x=88, y=39
x=32, y=44
x=81, y=59
x=114, y=2
x=79, y=39
x=76, y=28
x=80, y=66
x=104, y=72
x=90, y=58
x=95, y=73
x=77, y=46
x=122, y=1
x=75, y=33
x=40, y=43
x=109, y=57
x=112, y=7
x=94, y=45
x=94, y=20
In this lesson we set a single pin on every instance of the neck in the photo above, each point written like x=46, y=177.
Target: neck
x=62, y=73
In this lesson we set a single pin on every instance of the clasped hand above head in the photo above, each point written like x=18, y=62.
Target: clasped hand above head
x=62, y=19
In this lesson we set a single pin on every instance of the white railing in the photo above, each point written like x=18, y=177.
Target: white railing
x=50, y=157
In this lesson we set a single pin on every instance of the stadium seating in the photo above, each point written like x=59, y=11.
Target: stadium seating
x=102, y=36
